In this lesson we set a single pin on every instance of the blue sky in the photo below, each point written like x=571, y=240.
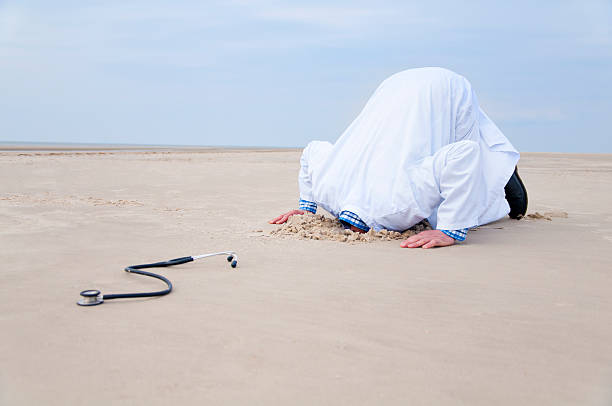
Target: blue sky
x=281, y=73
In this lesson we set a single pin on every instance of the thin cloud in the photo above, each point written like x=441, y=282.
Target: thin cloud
x=326, y=16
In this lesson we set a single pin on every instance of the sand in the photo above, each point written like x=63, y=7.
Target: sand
x=521, y=313
x=547, y=215
x=325, y=227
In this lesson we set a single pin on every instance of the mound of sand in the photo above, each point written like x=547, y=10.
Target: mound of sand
x=548, y=215
x=319, y=227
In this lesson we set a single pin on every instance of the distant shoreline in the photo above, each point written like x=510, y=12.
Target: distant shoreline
x=85, y=147
x=32, y=147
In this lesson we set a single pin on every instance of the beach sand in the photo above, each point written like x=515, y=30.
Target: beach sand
x=521, y=313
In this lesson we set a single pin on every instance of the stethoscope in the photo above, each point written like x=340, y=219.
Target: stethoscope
x=92, y=297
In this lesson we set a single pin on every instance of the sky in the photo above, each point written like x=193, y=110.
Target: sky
x=282, y=73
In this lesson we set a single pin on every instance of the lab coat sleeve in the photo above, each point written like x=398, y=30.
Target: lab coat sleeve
x=305, y=178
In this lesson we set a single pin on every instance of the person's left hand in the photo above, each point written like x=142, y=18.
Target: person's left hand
x=428, y=239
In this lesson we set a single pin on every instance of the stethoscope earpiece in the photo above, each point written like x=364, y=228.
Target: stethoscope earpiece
x=233, y=262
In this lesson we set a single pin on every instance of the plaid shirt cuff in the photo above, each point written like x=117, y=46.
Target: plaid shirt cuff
x=353, y=219
x=458, y=235
x=308, y=206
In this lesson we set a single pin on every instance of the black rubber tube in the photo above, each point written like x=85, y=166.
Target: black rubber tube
x=136, y=269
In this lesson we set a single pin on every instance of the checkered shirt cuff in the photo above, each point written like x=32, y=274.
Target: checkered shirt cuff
x=308, y=206
x=353, y=219
x=458, y=235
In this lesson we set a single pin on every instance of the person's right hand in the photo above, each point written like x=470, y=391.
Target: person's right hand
x=284, y=217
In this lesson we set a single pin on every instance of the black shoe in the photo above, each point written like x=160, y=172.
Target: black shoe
x=516, y=195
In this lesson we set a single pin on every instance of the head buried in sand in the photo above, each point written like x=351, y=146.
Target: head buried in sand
x=319, y=227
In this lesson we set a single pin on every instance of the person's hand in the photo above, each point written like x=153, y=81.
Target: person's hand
x=284, y=217
x=428, y=239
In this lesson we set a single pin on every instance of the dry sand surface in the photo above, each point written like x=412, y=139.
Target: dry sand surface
x=519, y=314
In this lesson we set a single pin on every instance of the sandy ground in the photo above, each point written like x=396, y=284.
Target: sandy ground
x=519, y=314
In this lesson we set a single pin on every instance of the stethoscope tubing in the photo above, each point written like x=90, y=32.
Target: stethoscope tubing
x=136, y=269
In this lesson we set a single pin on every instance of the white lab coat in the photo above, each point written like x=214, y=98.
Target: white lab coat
x=396, y=165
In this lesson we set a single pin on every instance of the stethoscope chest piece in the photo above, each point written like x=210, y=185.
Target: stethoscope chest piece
x=90, y=297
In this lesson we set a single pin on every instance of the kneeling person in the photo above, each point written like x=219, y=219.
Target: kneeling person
x=421, y=149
